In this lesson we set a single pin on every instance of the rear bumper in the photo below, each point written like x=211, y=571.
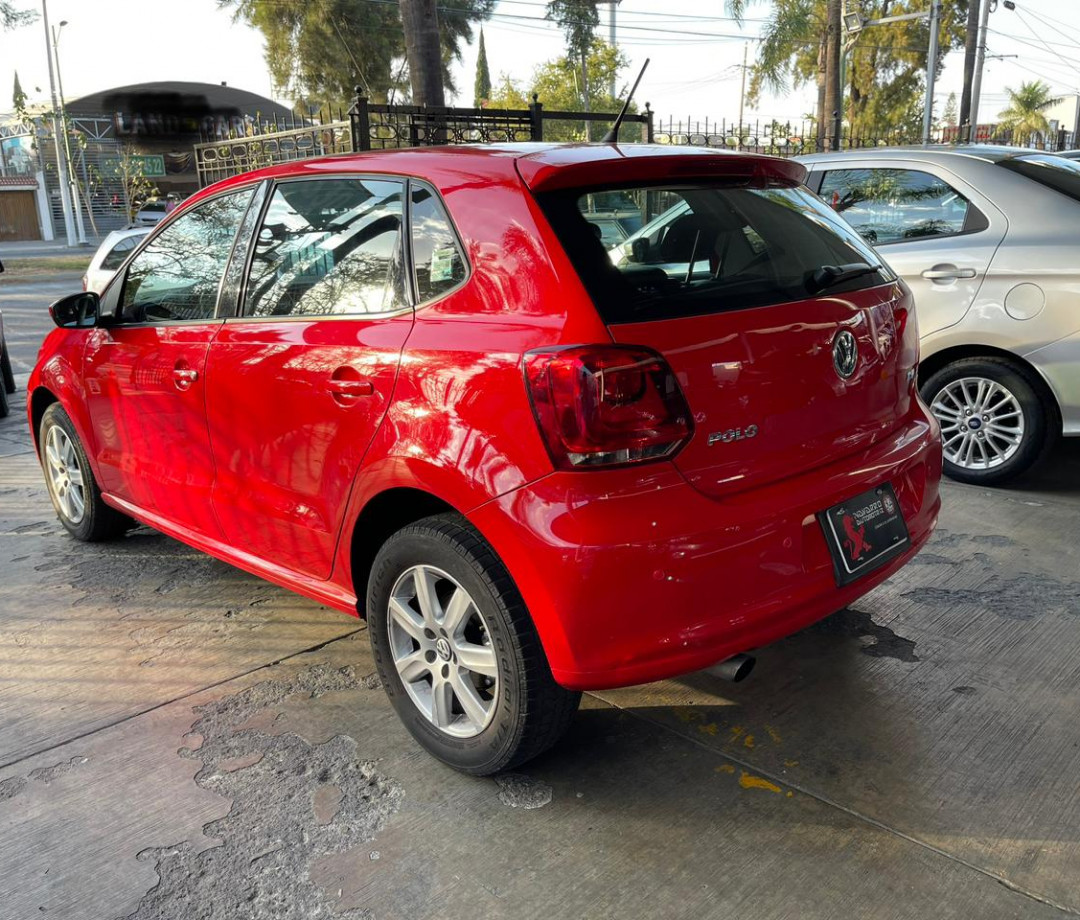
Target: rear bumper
x=634, y=576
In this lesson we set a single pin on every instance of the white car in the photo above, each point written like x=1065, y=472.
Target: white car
x=112, y=252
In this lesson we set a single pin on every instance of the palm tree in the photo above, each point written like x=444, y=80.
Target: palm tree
x=1024, y=116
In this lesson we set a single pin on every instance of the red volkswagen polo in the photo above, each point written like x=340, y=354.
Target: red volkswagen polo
x=417, y=386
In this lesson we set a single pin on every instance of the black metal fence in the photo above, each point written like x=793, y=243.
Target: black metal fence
x=381, y=126
x=221, y=159
x=793, y=138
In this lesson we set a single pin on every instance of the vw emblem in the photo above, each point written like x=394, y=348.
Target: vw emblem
x=845, y=353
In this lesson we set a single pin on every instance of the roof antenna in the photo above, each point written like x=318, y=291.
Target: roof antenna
x=612, y=137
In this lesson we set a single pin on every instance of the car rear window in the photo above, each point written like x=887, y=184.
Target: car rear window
x=1058, y=173
x=704, y=248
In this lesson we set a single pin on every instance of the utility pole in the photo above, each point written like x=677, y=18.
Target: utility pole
x=833, y=89
x=421, y=24
x=742, y=96
x=61, y=170
x=73, y=179
x=931, y=69
x=976, y=82
x=612, y=5
x=971, y=42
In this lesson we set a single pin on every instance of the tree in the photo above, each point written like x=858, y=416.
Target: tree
x=886, y=65
x=319, y=50
x=556, y=85
x=420, y=20
x=11, y=18
x=949, y=116
x=1024, y=116
x=482, y=88
x=579, y=20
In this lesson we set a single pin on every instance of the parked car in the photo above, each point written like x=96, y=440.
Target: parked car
x=7, y=375
x=151, y=213
x=112, y=252
x=985, y=238
x=412, y=385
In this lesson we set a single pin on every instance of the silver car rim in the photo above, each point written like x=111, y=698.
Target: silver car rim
x=982, y=424
x=442, y=651
x=65, y=476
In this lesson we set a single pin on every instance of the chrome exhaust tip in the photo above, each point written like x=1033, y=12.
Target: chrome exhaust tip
x=735, y=668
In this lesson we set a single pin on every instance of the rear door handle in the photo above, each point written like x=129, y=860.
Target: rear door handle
x=948, y=273
x=352, y=387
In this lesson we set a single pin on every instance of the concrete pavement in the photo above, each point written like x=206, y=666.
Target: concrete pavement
x=179, y=739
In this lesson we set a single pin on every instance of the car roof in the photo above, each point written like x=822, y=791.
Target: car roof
x=539, y=165
x=942, y=153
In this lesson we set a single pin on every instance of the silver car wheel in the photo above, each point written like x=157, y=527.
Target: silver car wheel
x=65, y=476
x=982, y=424
x=442, y=651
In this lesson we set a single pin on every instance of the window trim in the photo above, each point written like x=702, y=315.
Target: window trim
x=457, y=239
x=119, y=323
x=238, y=315
x=973, y=211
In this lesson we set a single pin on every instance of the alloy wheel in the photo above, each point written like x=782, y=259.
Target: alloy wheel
x=982, y=424
x=442, y=651
x=65, y=476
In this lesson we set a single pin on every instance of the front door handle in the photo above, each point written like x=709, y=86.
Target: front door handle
x=947, y=273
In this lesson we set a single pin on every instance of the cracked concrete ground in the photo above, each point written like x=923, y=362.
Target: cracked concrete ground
x=181, y=740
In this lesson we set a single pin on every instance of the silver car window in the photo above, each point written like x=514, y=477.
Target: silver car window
x=895, y=205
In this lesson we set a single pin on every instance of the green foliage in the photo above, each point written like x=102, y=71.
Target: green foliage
x=886, y=65
x=319, y=50
x=1024, y=115
x=557, y=84
x=578, y=19
x=949, y=116
x=482, y=87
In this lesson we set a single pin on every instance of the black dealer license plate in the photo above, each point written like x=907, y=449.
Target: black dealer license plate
x=864, y=532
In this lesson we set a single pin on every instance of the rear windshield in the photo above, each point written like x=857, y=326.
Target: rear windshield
x=703, y=248
x=1058, y=173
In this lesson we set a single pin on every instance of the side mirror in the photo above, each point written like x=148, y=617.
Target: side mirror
x=639, y=250
x=75, y=310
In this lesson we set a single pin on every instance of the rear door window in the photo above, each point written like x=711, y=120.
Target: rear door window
x=329, y=247
x=115, y=257
x=437, y=257
x=707, y=248
x=897, y=205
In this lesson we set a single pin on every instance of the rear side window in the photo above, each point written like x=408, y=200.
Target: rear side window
x=437, y=257
x=119, y=252
x=329, y=247
x=896, y=205
x=705, y=249
x=1059, y=173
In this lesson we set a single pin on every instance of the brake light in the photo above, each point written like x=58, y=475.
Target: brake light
x=606, y=405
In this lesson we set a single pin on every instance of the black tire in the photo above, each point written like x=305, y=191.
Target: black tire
x=531, y=712
x=1037, y=413
x=98, y=521
x=6, y=371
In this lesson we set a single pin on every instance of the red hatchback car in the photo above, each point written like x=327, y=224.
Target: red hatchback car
x=415, y=385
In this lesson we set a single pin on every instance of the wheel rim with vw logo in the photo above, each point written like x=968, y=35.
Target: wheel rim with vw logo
x=845, y=353
x=442, y=651
x=982, y=424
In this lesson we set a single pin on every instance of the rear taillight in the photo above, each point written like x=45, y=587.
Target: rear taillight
x=606, y=405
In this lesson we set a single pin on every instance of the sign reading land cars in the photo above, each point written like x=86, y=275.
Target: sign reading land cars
x=148, y=165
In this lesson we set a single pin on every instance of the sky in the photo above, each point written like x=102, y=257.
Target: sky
x=696, y=51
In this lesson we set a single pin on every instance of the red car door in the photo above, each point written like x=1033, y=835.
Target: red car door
x=298, y=384
x=145, y=371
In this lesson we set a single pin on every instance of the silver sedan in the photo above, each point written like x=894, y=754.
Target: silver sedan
x=986, y=237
